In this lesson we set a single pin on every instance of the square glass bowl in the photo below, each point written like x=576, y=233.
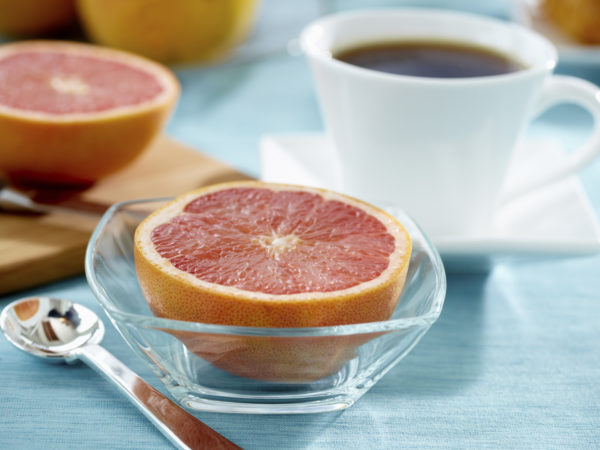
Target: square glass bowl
x=220, y=368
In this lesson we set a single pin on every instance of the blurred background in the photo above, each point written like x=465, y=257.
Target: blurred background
x=241, y=71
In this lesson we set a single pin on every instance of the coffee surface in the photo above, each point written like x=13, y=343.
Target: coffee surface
x=429, y=59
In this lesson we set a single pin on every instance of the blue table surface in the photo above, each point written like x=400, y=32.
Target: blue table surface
x=513, y=362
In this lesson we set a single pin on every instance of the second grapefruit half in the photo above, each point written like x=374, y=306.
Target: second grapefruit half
x=269, y=255
x=72, y=113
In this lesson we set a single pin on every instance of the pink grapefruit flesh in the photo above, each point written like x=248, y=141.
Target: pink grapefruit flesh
x=60, y=83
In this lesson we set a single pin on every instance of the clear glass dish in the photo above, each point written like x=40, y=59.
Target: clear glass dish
x=339, y=363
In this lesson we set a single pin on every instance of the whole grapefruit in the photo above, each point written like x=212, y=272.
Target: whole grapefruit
x=172, y=31
x=269, y=255
x=72, y=113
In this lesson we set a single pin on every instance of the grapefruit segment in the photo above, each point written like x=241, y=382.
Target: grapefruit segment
x=71, y=113
x=271, y=255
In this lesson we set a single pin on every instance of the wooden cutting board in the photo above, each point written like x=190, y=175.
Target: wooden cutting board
x=36, y=249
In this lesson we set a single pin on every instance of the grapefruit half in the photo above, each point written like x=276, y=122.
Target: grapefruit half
x=270, y=255
x=71, y=113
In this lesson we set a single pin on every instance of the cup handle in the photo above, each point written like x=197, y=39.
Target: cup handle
x=565, y=89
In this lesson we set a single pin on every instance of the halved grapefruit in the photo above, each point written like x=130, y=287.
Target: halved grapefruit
x=271, y=255
x=71, y=113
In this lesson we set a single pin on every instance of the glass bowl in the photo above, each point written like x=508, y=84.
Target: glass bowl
x=335, y=365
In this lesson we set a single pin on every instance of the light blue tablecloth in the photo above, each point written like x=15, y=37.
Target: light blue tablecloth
x=513, y=362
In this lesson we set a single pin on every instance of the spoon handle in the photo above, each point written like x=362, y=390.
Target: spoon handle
x=180, y=427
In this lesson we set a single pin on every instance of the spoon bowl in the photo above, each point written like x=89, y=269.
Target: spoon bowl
x=60, y=330
x=50, y=328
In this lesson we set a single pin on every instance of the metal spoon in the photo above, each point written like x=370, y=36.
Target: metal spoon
x=61, y=330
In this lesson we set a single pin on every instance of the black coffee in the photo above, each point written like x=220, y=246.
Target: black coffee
x=429, y=59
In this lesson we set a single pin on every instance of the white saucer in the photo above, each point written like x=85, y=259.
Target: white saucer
x=556, y=221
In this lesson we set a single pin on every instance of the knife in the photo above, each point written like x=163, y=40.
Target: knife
x=42, y=201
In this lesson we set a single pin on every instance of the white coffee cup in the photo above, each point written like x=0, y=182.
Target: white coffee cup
x=439, y=148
